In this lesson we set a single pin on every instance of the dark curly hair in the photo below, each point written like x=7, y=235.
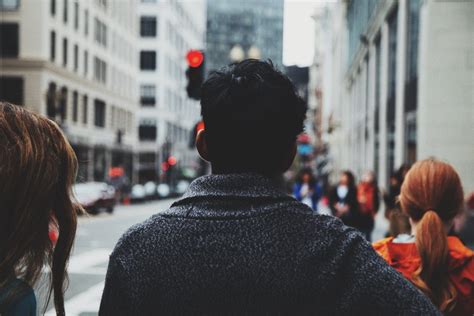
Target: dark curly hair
x=252, y=115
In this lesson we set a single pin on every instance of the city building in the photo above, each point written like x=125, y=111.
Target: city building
x=317, y=111
x=300, y=78
x=75, y=62
x=401, y=87
x=243, y=29
x=168, y=29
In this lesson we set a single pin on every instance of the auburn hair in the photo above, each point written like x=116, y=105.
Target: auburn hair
x=37, y=168
x=432, y=196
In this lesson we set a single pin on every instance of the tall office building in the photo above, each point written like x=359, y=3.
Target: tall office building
x=168, y=29
x=75, y=62
x=243, y=29
x=401, y=86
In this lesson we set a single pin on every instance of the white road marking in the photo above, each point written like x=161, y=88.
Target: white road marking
x=87, y=301
x=83, y=262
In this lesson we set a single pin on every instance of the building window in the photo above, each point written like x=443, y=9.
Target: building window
x=392, y=62
x=76, y=57
x=9, y=5
x=63, y=104
x=52, y=53
x=99, y=113
x=100, y=32
x=147, y=131
x=100, y=70
x=9, y=47
x=75, y=106
x=147, y=158
x=148, y=95
x=86, y=22
x=86, y=63
x=148, y=60
x=65, y=10
x=76, y=15
x=51, y=101
x=377, y=105
x=85, y=107
x=11, y=89
x=52, y=7
x=103, y=4
x=148, y=26
x=65, y=52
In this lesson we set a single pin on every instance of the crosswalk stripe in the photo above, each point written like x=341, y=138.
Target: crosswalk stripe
x=87, y=301
x=85, y=261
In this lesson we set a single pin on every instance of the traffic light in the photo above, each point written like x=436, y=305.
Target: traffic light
x=195, y=73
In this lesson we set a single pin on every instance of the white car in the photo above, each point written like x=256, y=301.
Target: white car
x=95, y=196
x=138, y=193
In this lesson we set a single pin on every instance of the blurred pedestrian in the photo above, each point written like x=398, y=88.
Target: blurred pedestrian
x=307, y=189
x=37, y=170
x=236, y=243
x=343, y=199
x=369, y=201
x=438, y=264
x=398, y=221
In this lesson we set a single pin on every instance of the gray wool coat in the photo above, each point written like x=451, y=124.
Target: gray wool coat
x=236, y=244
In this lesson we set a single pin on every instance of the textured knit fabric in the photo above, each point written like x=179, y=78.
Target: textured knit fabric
x=235, y=244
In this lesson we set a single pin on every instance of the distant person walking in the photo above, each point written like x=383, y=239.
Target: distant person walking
x=307, y=189
x=398, y=221
x=369, y=201
x=343, y=199
x=37, y=170
x=438, y=264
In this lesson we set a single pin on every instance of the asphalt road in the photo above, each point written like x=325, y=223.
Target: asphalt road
x=95, y=240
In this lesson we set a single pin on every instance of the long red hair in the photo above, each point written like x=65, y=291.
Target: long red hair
x=37, y=170
x=432, y=196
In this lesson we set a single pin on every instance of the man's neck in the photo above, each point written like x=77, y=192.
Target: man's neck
x=277, y=178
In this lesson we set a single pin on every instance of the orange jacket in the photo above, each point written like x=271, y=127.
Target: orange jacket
x=366, y=195
x=405, y=259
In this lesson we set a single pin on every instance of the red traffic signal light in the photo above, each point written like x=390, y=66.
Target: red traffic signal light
x=172, y=161
x=194, y=58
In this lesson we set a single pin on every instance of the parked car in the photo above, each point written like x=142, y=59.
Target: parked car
x=95, y=196
x=163, y=190
x=150, y=190
x=138, y=193
x=181, y=187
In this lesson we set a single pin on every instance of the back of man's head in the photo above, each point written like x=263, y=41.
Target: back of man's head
x=252, y=116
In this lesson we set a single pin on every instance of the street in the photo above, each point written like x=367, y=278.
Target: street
x=95, y=240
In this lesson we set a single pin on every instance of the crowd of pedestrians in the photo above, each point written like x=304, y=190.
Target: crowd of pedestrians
x=236, y=243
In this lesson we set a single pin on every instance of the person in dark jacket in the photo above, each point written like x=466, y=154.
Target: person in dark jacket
x=343, y=199
x=235, y=243
x=307, y=189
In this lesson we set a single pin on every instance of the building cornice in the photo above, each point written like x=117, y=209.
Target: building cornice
x=25, y=64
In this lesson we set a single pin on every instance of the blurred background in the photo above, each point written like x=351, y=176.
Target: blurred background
x=387, y=82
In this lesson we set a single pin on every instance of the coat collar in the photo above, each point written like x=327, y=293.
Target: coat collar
x=242, y=185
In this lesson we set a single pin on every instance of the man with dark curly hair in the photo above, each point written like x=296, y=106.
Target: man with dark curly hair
x=235, y=243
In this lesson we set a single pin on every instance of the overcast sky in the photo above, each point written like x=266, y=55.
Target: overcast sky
x=298, y=33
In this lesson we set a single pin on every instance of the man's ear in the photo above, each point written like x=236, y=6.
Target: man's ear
x=289, y=158
x=201, y=145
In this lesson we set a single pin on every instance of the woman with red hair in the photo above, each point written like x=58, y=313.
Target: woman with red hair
x=438, y=264
x=38, y=215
